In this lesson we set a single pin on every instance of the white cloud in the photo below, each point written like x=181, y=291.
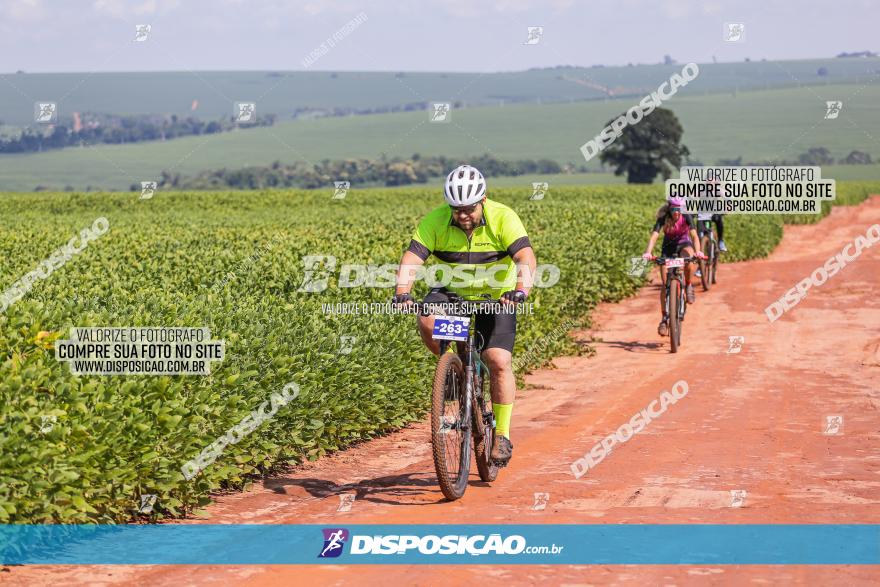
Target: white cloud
x=25, y=10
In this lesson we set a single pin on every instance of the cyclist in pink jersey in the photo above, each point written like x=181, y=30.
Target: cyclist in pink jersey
x=679, y=240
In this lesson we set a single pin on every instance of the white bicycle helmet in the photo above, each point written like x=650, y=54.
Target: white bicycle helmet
x=464, y=186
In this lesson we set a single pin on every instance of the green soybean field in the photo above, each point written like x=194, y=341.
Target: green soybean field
x=87, y=448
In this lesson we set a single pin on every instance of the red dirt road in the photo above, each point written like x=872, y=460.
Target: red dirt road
x=751, y=421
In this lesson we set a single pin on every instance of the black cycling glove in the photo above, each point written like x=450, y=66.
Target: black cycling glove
x=517, y=296
x=401, y=298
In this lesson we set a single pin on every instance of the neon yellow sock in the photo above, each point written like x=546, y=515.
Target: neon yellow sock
x=502, y=418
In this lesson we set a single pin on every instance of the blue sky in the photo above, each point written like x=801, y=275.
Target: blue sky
x=427, y=35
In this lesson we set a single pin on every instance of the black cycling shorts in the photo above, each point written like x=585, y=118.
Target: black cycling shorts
x=703, y=230
x=673, y=248
x=495, y=330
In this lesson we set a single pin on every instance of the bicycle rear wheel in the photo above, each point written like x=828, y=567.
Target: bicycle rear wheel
x=705, y=264
x=674, y=310
x=484, y=430
x=450, y=438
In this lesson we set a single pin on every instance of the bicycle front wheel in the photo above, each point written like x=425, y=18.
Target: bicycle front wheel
x=705, y=264
x=674, y=312
x=450, y=434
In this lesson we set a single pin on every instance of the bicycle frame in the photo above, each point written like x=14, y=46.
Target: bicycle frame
x=472, y=364
x=676, y=273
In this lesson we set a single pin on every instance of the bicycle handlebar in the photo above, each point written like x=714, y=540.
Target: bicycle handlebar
x=662, y=260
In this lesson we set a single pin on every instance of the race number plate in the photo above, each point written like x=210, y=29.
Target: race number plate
x=450, y=328
x=677, y=262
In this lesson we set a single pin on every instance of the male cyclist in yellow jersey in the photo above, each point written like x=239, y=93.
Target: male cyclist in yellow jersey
x=472, y=232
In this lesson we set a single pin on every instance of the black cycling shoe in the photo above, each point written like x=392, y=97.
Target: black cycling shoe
x=663, y=328
x=502, y=450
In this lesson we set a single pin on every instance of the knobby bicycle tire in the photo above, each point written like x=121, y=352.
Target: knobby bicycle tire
x=453, y=483
x=674, y=324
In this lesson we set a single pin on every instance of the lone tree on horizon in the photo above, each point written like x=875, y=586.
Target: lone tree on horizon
x=650, y=147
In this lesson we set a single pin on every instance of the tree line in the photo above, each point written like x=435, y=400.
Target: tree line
x=103, y=128
x=815, y=156
x=384, y=171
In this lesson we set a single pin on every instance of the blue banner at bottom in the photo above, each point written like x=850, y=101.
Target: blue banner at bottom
x=191, y=544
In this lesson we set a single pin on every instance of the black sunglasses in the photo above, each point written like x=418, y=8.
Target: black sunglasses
x=465, y=209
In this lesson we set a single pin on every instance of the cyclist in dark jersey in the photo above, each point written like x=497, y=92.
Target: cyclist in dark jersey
x=679, y=240
x=702, y=230
x=718, y=219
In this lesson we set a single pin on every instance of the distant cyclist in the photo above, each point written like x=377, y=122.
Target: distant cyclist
x=718, y=219
x=702, y=230
x=679, y=240
x=474, y=232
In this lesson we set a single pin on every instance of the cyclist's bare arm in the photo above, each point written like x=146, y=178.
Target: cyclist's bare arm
x=695, y=238
x=526, y=265
x=652, y=241
x=406, y=273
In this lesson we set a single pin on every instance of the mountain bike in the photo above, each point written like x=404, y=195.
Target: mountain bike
x=676, y=298
x=461, y=403
x=709, y=246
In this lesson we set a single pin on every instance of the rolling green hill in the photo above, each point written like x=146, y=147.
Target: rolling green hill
x=764, y=124
x=283, y=92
